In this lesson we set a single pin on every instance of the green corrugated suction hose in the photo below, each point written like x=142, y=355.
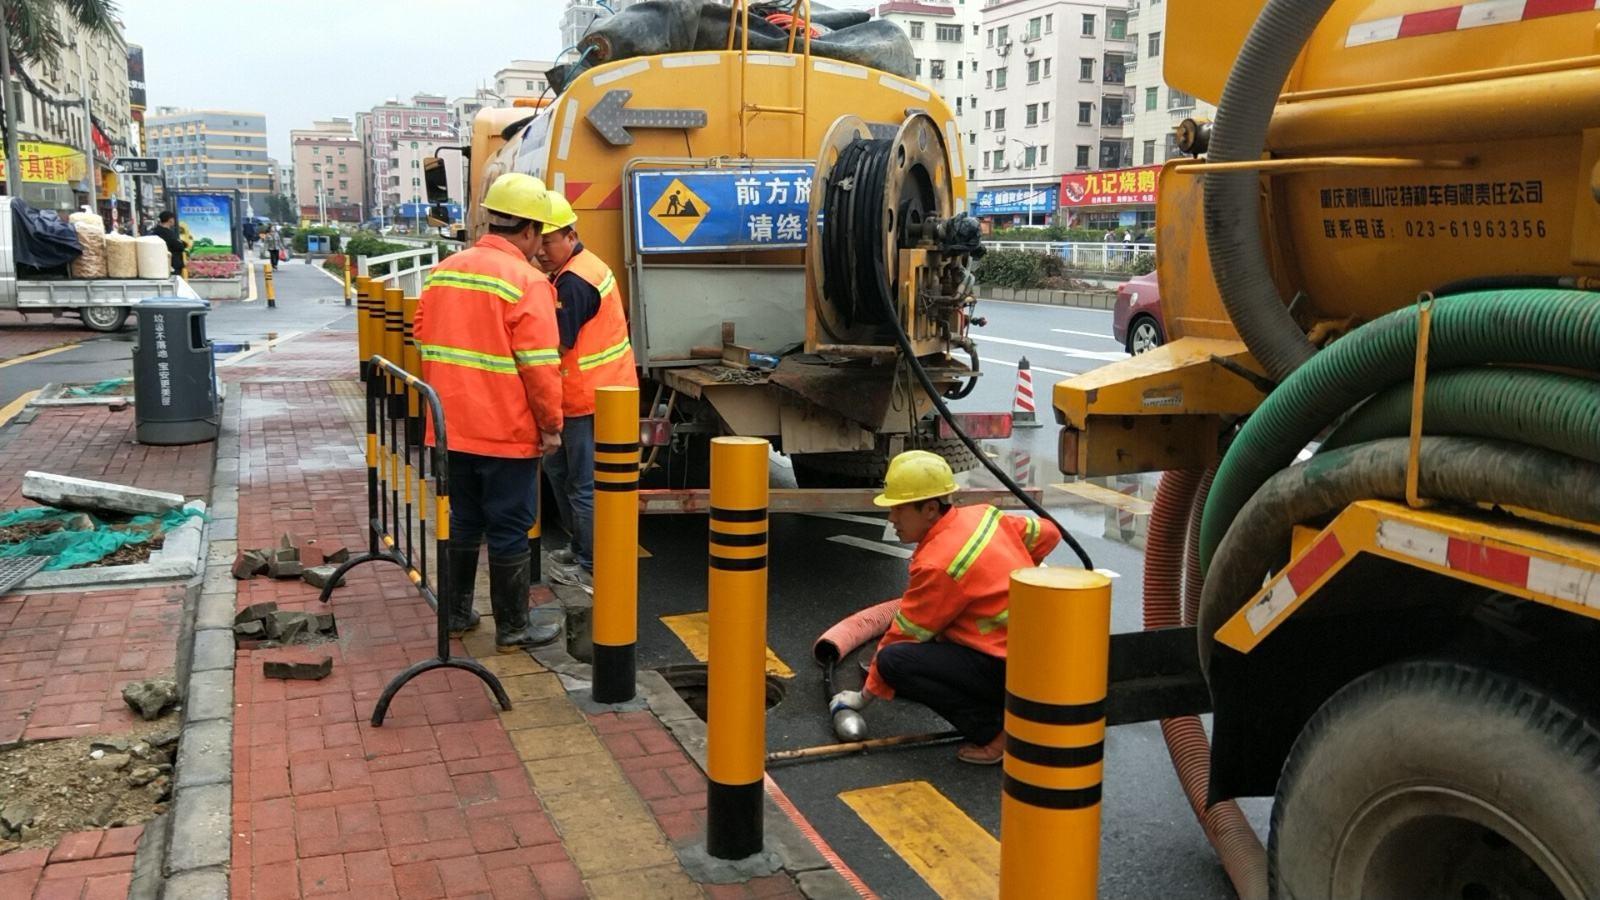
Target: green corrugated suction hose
x=1525, y=406
x=1517, y=327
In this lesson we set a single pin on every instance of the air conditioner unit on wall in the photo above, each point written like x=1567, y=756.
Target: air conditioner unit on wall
x=1027, y=51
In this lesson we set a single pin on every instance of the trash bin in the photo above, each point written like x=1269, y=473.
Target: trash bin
x=317, y=243
x=174, y=374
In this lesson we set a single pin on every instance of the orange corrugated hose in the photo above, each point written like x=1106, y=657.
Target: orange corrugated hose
x=785, y=20
x=1165, y=591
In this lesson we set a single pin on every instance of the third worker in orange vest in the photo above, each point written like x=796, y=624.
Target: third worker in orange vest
x=595, y=352
x=485, y=326
x=946, y=647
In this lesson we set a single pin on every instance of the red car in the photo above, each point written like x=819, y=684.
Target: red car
x=1136, y=318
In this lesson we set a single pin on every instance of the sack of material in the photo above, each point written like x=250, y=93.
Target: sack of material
x=154, y=260
x=92, y=264
x=122, y=260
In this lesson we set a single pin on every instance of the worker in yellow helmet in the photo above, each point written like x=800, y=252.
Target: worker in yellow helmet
x=485, y=326
x=946, y=647
x=595, y=353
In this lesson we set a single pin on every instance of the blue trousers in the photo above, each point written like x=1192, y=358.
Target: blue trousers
x=494, y=497
x=571, y=471
x=968, y=688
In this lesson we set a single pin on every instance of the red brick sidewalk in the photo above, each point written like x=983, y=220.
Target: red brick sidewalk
x=85, y=865
x=97, y=442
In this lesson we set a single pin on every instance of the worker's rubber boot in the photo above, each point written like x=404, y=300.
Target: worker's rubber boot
x=463, y=563
x=508, y=593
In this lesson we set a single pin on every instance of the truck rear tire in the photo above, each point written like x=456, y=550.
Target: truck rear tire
x=1439, y=779
x=105, y=319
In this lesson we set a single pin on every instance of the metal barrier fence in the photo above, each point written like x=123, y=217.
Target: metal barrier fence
x=400, y=467
x=1082, y=257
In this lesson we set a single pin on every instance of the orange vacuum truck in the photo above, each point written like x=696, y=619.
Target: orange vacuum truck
x=1378, y=428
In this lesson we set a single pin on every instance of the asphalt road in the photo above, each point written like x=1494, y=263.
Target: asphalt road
x=1151, y=845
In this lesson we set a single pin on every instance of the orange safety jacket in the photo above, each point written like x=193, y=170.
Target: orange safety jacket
x=486, y=330
x=961, y=581
x=602, y=355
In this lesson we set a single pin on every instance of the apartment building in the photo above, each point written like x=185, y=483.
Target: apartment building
x=523, y=78
x=1054, y=96
x=213, y=149
x=396, y=137
x=945, y=42
x=330, y=169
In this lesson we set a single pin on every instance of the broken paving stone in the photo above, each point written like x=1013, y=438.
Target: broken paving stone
x=319, y=576
x=311, y=555
x=248, y=564
x=64, y=492
x=289, y=541
x=163, y=739
x=108, y=745
x=298, y=671
x=281, y=568
x=323, y=623
x=255, y=612
x=16, y=817
x=285, y=626
x=254, y=629
x=112, y=761
x=143, y=775
x=338, y=557
x=151, y=697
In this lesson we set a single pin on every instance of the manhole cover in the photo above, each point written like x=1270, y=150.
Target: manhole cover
x=17, y=569
x=690, y=683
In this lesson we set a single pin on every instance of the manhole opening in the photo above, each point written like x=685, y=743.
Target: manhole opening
x=690, y=683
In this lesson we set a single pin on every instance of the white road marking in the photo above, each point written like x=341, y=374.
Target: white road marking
x=846, y=517
x=1103, y=355
x=864, y=544
x=1088, y=334
x=1031, y=367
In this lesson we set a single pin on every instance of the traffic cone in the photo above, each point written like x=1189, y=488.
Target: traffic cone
x=1022, y=408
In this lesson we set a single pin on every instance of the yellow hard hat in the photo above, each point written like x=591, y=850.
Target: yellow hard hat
x=557, y=213
x=515, y=194
x=914, y=476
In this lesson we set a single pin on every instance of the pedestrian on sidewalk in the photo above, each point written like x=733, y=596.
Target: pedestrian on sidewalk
x=167, y=229
x=485, y=326
x=946, y=647
x=595, y=353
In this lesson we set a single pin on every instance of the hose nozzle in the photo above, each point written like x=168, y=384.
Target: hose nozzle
x=849, y=725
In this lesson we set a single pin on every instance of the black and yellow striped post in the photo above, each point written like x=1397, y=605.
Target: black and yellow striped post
x=348, y=262
x=394, y=345
x=364, y=349
x=272, y=293
x=1060, y=638
x=616, y=542
x=736, y=703
x=411, y=360
x=374, y=318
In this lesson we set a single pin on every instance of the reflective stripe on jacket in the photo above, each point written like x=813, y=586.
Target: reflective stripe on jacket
x=961, y=581
x=602, y=355
x=486, y=330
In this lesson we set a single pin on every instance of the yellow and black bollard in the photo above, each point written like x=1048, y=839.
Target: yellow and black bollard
x=1060, y=637
x=348, y=262
x=394, y=345
x=616, y=542
x=374, y=319
x=736, y=703
x=411, y=360
x=272, y=294
x=363, y=326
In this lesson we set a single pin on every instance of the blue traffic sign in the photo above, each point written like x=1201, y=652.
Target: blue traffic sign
x=694, y=210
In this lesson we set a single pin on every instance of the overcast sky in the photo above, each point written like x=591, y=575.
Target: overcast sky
x=299, y=60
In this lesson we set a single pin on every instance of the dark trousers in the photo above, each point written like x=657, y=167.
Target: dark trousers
x=493, y=497
x=571, y=472
x=964, y=686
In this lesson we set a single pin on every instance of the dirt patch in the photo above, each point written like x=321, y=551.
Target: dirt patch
x=62, y=787
x=128, y=554
x=27, y=531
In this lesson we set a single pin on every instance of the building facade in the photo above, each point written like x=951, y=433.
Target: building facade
x=523, y=78
x=330, y=171
x=1054, y=99
x=396, y=137
x=945, y=43
x=50, y=112
x=213, y=149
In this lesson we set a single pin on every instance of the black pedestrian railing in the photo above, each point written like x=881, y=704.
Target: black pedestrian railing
x=400, y=468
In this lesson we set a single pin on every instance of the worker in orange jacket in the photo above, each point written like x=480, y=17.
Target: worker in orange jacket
x=946, y=647
x=485, y=327
x=595, y=353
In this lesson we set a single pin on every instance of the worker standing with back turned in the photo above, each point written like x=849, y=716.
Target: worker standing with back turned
x=486, y=330
x=595, y=353
x=946, y=647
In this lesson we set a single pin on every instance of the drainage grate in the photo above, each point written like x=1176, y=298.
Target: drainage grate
x=15, y=570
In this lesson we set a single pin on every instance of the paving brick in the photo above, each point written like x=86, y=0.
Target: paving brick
x=418, y=881
x=555, y=741
x=121, y=841
x=77, y=845
x=658, y=883
x=559, y=881
x=323, y=875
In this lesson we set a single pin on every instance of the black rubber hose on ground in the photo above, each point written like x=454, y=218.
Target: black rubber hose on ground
x=1233, y=199
x=1461, y=470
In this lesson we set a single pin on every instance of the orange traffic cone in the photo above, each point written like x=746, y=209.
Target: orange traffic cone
x=1022, y=408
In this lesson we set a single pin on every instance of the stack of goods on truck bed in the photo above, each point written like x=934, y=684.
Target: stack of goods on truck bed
x=92, y=235
x=44, y=247
x=122, y=260
x=154, y=259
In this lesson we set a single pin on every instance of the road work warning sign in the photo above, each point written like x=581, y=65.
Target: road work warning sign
x=685, y=211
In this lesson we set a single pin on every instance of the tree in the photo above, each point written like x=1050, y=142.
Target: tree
x=28, y=33
x=279, y=209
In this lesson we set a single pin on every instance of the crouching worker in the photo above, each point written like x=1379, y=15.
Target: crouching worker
x=946, y=647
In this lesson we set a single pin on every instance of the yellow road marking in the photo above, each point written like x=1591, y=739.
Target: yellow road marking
x=11, y=409
x=952, y=853
x=1105, y=496
x=694, y=629
x=29, y=357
